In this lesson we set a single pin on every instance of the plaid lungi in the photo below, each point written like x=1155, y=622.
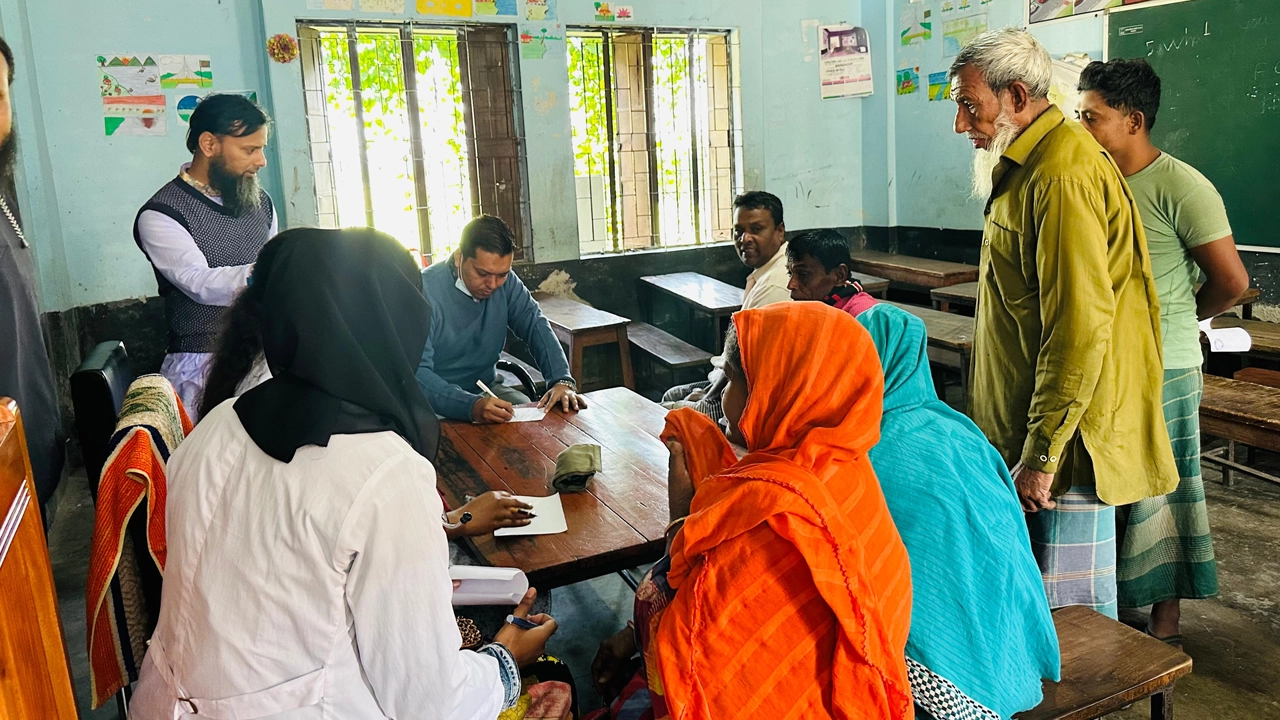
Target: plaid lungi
x=708, y=405
x=1165, y=548
x=1075, y=546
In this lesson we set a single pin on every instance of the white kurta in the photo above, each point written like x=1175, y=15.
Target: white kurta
x=314, y=589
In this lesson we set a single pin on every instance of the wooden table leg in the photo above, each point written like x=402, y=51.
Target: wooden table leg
x=944, y=305
x=624, y=347
x=575, y=360
x=1228, y=475
x=1246, y=311
x=1162, y=705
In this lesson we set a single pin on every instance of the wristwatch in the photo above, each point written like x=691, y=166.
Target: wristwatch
x=444, y=519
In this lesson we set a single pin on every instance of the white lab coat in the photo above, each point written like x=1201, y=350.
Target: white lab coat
x=314, y=589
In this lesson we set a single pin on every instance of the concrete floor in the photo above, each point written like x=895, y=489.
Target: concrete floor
x=1234, y=639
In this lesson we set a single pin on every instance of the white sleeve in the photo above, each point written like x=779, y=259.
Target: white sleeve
x=400, y=596
x=765, y=294
x=275, y=223
x=173, y=252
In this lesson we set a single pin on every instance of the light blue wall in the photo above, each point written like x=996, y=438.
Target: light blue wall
x=80, y=190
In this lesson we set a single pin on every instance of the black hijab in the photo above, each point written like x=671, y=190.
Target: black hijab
x=344, y=323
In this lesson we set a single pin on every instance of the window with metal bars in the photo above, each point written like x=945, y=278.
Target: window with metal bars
x=415, y=129
x=657, y=147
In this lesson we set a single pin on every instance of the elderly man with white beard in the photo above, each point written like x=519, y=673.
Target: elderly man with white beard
x=1066, y=378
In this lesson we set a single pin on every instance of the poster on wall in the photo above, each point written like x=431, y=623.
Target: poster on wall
x=455, y=8
x=1042, y=10
x=844, y=68
x=939, y=87
x=539, y=10
x=331, y=4
x=382, y=6
x=143, y=115
x=184, y=104
x=908, y=80
x=916, y=25
x=494, y=7
x=960, y=32
x=533, y=42
x=185, y=72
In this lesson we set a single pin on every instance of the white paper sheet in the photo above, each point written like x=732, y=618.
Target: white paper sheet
x=1226, y=340
x=488, y=585
x=529, y=414
x=549, y=521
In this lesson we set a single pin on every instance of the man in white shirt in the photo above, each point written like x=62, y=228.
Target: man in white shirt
x=202, y=232
x=760, y=237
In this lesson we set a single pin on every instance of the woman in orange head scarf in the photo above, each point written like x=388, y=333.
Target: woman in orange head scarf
x=786, y=592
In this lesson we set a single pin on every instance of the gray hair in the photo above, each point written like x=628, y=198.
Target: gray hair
x=1006, y=56
x=732, y=351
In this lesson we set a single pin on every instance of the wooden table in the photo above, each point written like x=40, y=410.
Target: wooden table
x=1239, y=412
x=876, y=287
x=912, y=271
x=580, y=326
x=698, y=293
x=1106, y=666
x=964, y=295
x=617, y=524
x=950, y=340
x=1266, y=336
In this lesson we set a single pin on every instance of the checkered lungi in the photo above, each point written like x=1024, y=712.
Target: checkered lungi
x=1075, y=546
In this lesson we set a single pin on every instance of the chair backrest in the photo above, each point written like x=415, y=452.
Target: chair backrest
x=33, y=658
x=98, y=387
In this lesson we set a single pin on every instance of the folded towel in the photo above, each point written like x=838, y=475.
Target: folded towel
x=575, y=466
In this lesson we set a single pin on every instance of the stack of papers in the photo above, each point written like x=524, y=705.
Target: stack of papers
x=488, y=585
x=1226, y=340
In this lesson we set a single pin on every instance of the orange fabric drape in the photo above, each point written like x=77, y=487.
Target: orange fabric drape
x=134, y=472
x=793, y=589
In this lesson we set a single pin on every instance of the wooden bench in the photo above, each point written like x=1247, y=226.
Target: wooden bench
x=1107, y=666
x=876, y=287
x=1239, y=412
x=1246, y=301
x=963, y=295
x=950, y=341
x=580, y=326
x=912, y=272
x=669, y=350
x=1259, y=376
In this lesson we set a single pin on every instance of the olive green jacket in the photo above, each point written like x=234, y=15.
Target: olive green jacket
x=1068, y=321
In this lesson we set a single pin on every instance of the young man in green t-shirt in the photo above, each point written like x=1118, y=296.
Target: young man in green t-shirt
x=1159, y=563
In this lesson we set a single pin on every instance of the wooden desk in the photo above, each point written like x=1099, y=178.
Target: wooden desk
x=876, y=287
x=37, y=676
x=1239, y=412
x=1266, y=336
x=1106, y=666
x=698, y=293
x=964, y=295
x=617, y=524
x=950, y=340
x=912, y=271
x=578, y=326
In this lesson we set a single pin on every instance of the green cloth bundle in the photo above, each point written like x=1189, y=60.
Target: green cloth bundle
x=574, y=467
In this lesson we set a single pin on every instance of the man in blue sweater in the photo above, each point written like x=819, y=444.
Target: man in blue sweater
x=475, y=298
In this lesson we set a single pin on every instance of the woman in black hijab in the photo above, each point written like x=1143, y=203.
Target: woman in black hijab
x=307, y=569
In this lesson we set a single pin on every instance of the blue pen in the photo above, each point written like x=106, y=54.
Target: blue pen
x=521, y=623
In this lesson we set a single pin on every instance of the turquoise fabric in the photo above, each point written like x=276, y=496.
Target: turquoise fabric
x=979, y=616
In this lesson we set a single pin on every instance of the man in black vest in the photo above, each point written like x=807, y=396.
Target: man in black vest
x=24, y=363
x=202, y=232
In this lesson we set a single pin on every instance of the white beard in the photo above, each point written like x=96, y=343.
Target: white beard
x=985, y=161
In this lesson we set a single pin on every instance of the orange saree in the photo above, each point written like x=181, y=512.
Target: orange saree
x=792, y=589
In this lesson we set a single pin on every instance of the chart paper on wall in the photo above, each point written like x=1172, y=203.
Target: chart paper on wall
x=382, y=6
x=185, y=72
x=960, y=32
x=539, y=10
x=454, y=8
x=844, y=68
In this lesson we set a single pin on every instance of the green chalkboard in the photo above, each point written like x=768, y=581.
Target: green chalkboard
x=1219, y=65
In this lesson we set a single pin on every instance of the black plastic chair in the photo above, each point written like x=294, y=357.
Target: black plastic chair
x=98, y=387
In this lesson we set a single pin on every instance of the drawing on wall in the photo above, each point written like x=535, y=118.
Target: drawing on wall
x=1042, y=10
x=624, y=13
x=330, y=4
x=135, y=115
x=533, y=44
x=960, y=32
x=845, y=66
x=456, y=8
x=908, y=80
x=603, y=12
x=185, y=103
x=917, y=25
x=129, y=75
x=382, y=6
x=539, y=10
x=939, y=87
x=185, y=71
x=494, y=7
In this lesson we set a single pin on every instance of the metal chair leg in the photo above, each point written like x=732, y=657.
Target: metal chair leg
x=1162, y=705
